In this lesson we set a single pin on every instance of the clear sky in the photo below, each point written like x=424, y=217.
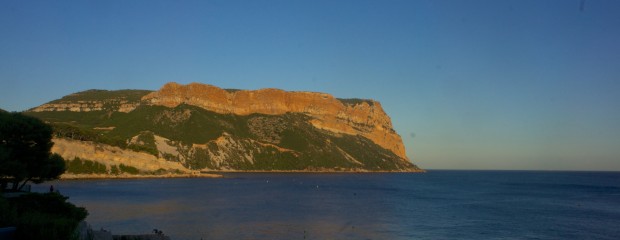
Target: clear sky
x=469, y=84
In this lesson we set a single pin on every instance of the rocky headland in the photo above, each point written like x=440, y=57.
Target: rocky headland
x=185, y=129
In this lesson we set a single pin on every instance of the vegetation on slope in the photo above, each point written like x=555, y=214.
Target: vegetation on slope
x=79, y=166
x=253, y=142
x=85, y=166
x=355, y=101
x=144, y=142
x=74, y=132
x=103, y=95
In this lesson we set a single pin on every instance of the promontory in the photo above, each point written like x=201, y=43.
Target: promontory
x=198, y=127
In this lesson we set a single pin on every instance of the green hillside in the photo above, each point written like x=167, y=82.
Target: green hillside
x=253, y=142
x=103, y=95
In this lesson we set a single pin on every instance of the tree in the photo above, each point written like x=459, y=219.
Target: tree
x=25, y=151
x=43, y=216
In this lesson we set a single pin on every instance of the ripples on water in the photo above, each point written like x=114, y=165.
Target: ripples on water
x=433, y=205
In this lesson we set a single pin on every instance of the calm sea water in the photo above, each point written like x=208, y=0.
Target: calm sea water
x=433, y=205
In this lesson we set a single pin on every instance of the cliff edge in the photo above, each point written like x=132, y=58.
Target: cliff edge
x=199, y=127
x=354, y=117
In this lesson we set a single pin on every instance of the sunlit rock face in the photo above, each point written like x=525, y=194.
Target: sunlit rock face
x=200, y=127
x=354, y=117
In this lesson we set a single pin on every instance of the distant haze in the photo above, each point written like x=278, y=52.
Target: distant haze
x=468, y=84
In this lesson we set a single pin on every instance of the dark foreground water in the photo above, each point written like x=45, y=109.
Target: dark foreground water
x=433, y=205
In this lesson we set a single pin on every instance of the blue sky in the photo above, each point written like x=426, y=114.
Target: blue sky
x=468, y=84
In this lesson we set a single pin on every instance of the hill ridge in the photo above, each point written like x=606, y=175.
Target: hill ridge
x=203, y=127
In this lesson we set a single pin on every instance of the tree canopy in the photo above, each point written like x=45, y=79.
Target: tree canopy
x=25, y=151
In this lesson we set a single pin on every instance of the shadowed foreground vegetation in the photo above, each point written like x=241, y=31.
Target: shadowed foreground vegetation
x=41, y=216
x=25, y=156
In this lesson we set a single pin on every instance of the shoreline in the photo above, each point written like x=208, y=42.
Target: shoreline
x=215, y=174
x=138, y=176
x=306, y=171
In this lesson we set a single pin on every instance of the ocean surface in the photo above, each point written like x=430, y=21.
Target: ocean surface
x=432, y=205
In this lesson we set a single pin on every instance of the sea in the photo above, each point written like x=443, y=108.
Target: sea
x=438, y=204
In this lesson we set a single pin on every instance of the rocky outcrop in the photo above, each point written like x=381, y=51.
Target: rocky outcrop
x=188, y=129
x=109, y=155
x=354, y=117
x=95, y=100
x=88, y=106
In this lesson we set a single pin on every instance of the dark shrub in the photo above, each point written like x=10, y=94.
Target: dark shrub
x=46, y=216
